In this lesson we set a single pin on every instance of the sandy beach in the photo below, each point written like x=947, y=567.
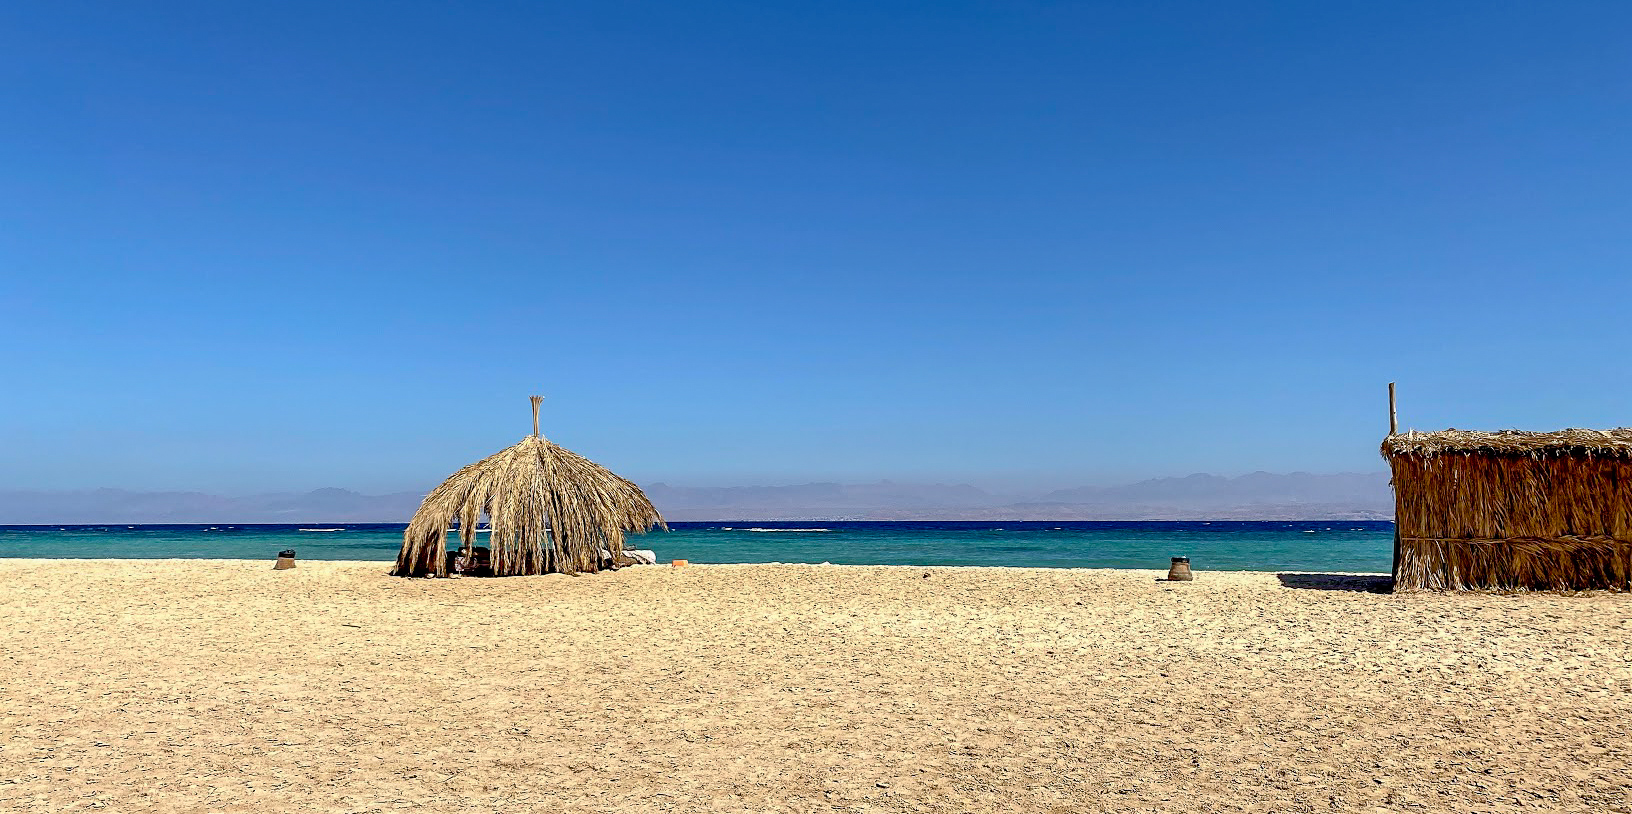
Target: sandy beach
x=225, y=686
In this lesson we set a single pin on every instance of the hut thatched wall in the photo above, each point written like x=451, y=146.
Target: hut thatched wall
x=1512, y=510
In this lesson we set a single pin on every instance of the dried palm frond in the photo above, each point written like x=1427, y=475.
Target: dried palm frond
x=550, y=509
x=1616, y=443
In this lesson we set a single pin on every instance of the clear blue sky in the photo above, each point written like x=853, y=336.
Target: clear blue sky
x=291, y=245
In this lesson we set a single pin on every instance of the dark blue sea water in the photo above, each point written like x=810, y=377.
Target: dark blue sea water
x=1362, y=546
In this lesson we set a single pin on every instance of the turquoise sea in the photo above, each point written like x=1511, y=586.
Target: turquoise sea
x=1328, y=545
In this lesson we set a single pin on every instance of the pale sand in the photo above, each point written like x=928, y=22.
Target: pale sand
x=225, y=686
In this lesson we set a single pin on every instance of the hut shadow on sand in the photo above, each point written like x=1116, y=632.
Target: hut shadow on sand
x=1359, y=583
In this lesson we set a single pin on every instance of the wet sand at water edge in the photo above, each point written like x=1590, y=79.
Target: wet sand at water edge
x=196, y=685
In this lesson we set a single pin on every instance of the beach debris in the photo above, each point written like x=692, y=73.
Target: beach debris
x=286, y=560
x=1180, y=570
x=679, y=563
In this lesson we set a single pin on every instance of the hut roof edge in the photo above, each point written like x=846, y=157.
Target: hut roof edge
x=1616, y=443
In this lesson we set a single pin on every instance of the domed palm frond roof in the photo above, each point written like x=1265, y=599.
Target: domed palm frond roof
x=551, y=510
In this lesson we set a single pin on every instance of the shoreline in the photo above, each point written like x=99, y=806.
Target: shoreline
x=1155, y=574
x=691, y=564
x=1350, y=548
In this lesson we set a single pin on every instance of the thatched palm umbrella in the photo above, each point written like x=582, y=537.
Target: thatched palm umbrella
x=551, y=510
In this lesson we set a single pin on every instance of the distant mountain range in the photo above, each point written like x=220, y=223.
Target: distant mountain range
x=1258, y=496
x=122, y=506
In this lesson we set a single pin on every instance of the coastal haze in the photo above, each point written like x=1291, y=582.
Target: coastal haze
x=1255, y=496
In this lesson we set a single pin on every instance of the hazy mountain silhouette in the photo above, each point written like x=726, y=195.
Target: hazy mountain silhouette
x=1258, y=487
x=122, y=506
x=1258, y=496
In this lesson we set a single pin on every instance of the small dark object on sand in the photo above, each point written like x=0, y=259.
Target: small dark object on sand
x=1180, y=572
x=286, y=560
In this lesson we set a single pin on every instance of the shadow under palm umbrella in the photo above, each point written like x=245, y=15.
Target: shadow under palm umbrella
x=1363, y=583
x=551, y=511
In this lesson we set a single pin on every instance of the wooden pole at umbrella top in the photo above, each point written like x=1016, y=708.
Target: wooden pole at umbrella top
x=1393, y=417
x=536, y=400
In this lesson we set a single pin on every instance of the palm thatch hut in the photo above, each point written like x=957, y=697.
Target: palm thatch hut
x=1512, y=510
x=551, y=510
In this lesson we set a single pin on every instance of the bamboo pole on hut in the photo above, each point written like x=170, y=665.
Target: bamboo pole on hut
x=1393, y=430
x=1393, y=414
